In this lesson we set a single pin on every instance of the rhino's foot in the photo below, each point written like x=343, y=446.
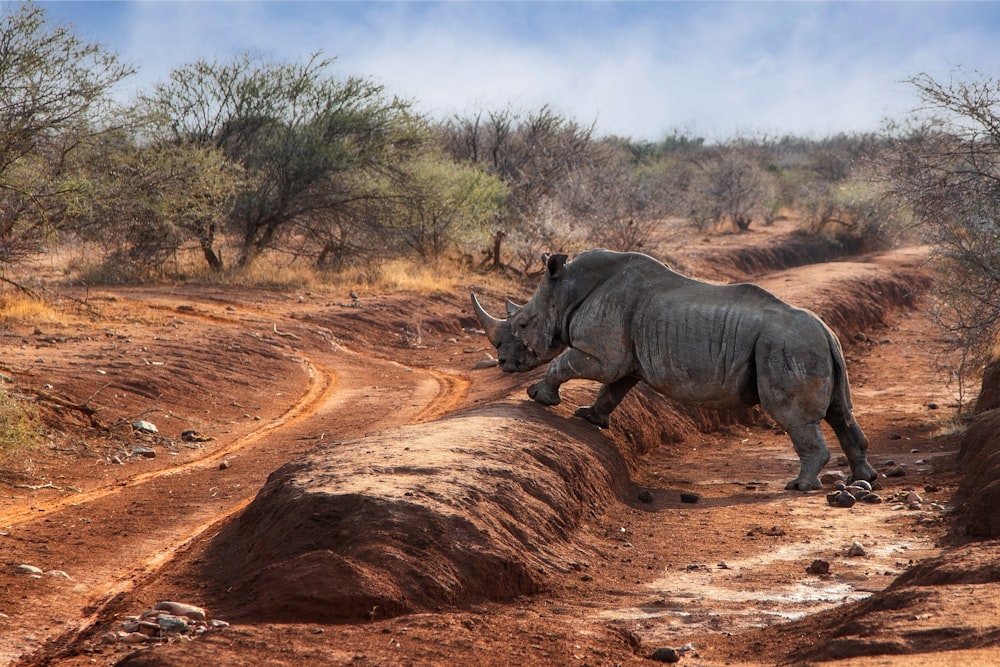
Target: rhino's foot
x=587, y=412
x=800, y=484
x=863, y=471
x=542, y=393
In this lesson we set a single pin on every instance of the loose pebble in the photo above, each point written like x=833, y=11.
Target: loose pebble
x=819, y=567
x=665, y=654
x=855, y=550
x=29, y=569
x=690, y=497
x=831, y=477
x=646, y=496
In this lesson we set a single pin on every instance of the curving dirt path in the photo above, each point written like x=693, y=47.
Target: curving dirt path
x=276, y=378
x=110, y=531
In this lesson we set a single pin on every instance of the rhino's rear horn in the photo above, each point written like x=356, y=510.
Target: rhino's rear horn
x=512, y=309
x=491, y=325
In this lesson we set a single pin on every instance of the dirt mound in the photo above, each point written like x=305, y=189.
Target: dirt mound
x=989, y=394
x=447, y=513
x=979, y=493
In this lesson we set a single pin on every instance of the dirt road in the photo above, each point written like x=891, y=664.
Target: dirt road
x=349, y=386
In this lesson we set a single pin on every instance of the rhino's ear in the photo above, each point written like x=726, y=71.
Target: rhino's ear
x=512, y=309
x=554, y=264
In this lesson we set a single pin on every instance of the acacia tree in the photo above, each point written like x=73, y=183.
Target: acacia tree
x=730, y=186
x=142, y=203
x=946, y=166
x=301, y=135
x=54, y=100
x=534, y=155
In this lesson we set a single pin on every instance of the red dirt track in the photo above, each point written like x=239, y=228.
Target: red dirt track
x=368, y=499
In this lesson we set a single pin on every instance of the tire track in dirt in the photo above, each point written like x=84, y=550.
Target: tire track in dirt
x=322, y=384
x=435, y=395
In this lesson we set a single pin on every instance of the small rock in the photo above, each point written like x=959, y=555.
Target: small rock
x=665, y=654
x=148, y=628
x=191, y=435
x=217, y=624
x=488, y=361
x=872, y=499
x=895, y=436
x=841, y=499
x=144, y=427
x=29, y=569
x=932, y=488
x=818, y=567
x=832, y=477
x=181, y=609
x=932, y=406
x=646, y=496
x=134, y=638
x=912, y=497
x=170, y=623
x=223, y=464
x=144, y=452
x=855, y=550
x=896, y=471
x=57, y=573
x=690, y=497
x=864, y=484
x=109, y=638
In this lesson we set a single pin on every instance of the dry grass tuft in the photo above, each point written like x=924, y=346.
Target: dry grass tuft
x=20, y=426
x=18, y=308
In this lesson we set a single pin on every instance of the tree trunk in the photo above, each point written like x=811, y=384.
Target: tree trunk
x=497, y=242
x=213, y=258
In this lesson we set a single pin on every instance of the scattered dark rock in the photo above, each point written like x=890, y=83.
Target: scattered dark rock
x=665, y=654
x=896, y=471
x=818, y=567
x=646, y=496
x=687, y=497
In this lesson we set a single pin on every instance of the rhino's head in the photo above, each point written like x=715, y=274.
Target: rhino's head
x=532, y=334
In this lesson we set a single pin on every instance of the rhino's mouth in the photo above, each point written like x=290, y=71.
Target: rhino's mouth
x=522, y=359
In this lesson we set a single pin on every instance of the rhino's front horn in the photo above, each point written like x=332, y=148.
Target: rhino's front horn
x=490, y=324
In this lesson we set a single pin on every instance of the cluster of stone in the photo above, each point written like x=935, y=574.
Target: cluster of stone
x=845, y=495
x=166, y=621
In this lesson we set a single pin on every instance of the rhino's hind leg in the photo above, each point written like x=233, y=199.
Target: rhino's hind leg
x=855, y=445
x=610, y=396
x=809, y=444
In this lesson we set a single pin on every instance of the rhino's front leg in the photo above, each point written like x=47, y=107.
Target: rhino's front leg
x=607, y=400
x=570, y=365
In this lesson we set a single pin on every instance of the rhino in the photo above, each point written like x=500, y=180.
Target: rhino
x=621, y=318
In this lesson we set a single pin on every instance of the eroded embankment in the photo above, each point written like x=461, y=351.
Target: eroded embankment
x=479, y=506
x=783, y=252
x=483, y=505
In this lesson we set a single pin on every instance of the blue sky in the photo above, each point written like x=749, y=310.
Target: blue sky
x=636, y=69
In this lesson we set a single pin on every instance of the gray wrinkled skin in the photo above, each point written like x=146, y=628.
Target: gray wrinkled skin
x=619, y=318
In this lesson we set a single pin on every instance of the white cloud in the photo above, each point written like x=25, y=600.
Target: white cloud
x=638, y=69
